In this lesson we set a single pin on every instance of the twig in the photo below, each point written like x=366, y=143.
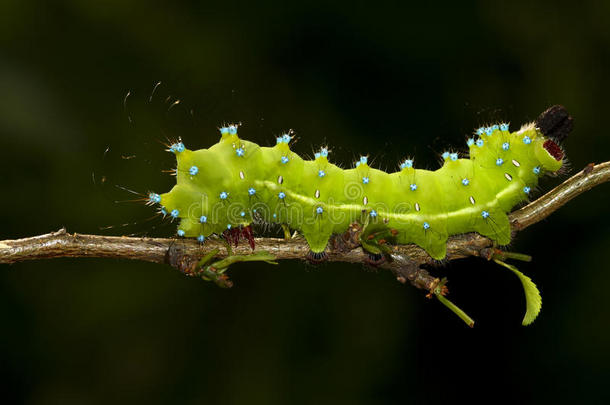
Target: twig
x=405, y=263
x=585, y=180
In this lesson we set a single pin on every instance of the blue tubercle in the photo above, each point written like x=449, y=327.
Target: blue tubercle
x=364, y=160
x=373, y=213
x=203, y=219
x=321, y=173
x=407, y=163
x=365, y=180
x=413, y=187
x=480, y=142
x=453, y=156
x=251, y=191
x=504, y=127
x=495, y=127
x=175, y=213
x=285, y=138
x=480, y=131
x=154, y=198
x=527, y=140
x=426, y=226
x=324, y=152
x=281, y=195
x=223, y=195
x=489, y=131
x=180, y=232
x=319, y=210
x=470, y=142
x=224, y=130
x=317, y=155
x=485, y=214
x=284, y=159
x=465, y=182
x=228, y=226
x=240, y=152
x=177, y=147
x=201, y=238
x=445, y=155
x=232, y=129
x=499, y=162
x=193, y=170
x=243, y=214
x=526, y=190
x=505, y=146
x=536, y=170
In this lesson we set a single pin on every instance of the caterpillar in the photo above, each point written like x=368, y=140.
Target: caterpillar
x=236, y=182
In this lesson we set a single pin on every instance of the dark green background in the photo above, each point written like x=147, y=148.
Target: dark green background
x=388, y=80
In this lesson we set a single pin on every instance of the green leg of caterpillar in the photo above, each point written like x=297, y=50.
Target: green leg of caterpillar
x=215, y=270
x=438, y=292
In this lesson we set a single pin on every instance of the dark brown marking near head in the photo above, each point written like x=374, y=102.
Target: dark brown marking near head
x=555, y=123
x=553, y=149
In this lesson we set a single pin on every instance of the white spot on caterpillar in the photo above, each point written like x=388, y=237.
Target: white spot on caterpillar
x=317, y=194
x=472, y=200
x=417, y=208
x=280, y=179
x=508, y=176
x=365, y=200
x=517, y=164
x=241, y=175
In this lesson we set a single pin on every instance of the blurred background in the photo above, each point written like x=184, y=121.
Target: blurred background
x=78, y=117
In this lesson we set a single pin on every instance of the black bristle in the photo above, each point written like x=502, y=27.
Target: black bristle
x=555, y=123
x=375, y=259
x=316, y=257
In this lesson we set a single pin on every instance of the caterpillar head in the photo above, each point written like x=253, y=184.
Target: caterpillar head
x=555, y=125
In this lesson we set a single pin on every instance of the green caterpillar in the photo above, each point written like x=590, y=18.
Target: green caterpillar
x=236, y=182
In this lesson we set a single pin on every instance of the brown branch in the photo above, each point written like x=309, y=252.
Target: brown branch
x=585, y=180
x=405, y=259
